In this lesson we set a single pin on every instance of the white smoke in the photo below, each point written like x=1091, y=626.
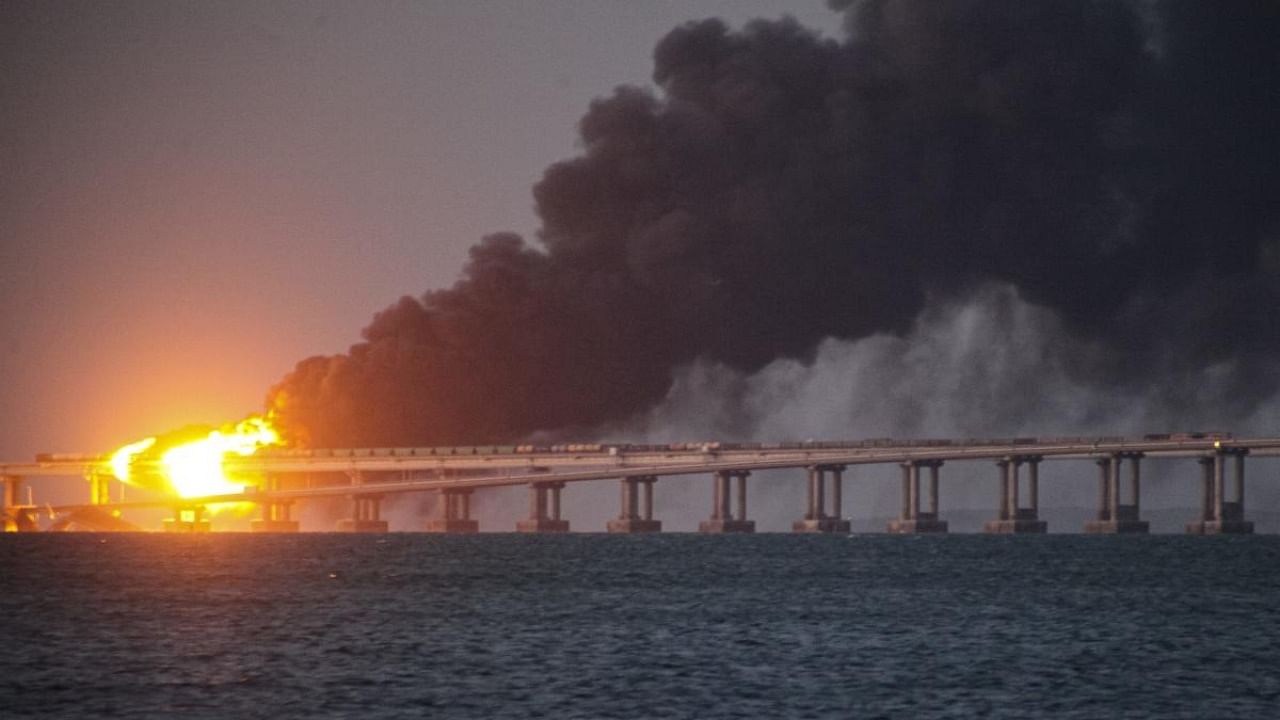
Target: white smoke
x=994, y=366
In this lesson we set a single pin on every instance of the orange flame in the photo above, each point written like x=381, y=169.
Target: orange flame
x=195, y=468
x=123, y=458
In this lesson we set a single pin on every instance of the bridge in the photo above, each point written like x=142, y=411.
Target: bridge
x=366, y=476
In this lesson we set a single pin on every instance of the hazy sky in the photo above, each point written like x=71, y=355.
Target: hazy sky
x=197, y=195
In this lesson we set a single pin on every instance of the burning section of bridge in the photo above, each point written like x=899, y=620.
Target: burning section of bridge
x=189, y=464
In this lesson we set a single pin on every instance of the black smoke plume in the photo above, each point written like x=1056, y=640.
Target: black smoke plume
x=1116, y=163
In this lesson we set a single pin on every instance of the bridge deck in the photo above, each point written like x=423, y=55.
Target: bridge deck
x=506, y=469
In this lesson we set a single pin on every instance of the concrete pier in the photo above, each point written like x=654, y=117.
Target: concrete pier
x=14, y=515
x=912, y=520
x=187, y=519
x=275, y=515
x=544, y=509
x=1218, y=515
x=455, y=513
x=636, y=514
x=99, y=488
x=816, y=519
x=366, y=516
x=1015, y=519
x=1116, y=517
x=275, y=519
x=723, y=519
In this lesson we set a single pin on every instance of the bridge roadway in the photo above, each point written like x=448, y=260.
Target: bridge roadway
x=549, y=471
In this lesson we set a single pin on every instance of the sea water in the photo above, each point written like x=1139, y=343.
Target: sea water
x=659, y=626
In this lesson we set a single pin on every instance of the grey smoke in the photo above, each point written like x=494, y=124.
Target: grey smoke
x=993, y=365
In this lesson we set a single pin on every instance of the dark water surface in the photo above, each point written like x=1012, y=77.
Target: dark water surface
x=669, y=626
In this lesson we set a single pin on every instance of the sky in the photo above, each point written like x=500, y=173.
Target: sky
x=196, y=196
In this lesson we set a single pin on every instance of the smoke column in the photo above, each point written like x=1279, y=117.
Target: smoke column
x=1108, y=167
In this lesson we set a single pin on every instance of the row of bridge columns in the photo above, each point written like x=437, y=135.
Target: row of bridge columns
x=1219, y=511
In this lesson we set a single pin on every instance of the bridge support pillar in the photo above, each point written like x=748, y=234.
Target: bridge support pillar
x=816, y=519
x=1015, y=519
x=275, y=518
x=1218, y=515
x=913, y=521
x=635, y=516
x=723, y=519
x=187, y=519
x=14, y=515
x=366, y=515
x=99, y=488
x=544, y=509
x=275, y=514
x=455, y=513
x=1115, y=517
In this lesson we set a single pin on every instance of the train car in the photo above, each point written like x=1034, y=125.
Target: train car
x=1207, y=435
x=69, y=457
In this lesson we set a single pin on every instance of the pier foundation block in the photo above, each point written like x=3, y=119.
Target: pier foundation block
x=821, y=525
x=453, y=526
x=1214, y=527
x=362, y=526
x=1020, y=526
x=633, y=525
x=715, y=526
x=1111, y=527
x=922, y=525
x=1127, y=523
x=542, y=525
x=273, y=526
x=187, y=520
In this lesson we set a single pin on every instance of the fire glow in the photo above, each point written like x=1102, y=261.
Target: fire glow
x=195, y=468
